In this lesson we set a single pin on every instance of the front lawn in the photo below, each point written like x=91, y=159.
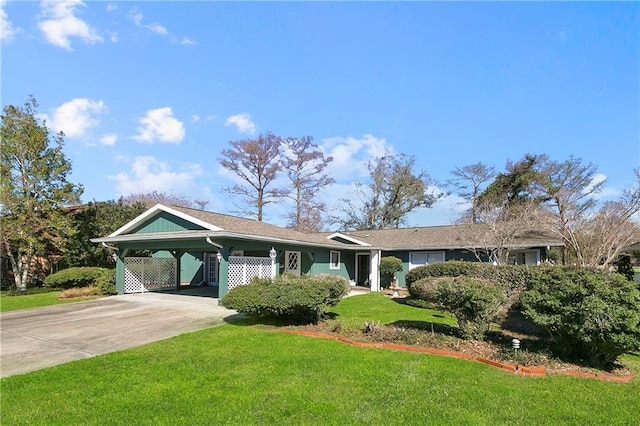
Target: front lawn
x=12, y=303
x=238, y=374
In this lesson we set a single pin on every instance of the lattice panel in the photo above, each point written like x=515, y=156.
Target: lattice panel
x=149, y=274
x=242, y=269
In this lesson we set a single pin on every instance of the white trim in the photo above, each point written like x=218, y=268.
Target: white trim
x=162, y=208
x=331, y=264
x=348, y=238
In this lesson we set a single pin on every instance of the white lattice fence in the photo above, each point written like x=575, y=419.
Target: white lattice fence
x=149, y=274
x=242, y=269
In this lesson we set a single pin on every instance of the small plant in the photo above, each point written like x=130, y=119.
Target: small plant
x=389, y=265
x=371, y=326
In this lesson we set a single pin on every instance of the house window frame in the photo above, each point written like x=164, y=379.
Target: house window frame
x=334, y=265
x=427, y=252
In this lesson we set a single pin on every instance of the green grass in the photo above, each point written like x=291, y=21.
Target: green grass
x=236, y=374
x=355, y=310
x=12, y=303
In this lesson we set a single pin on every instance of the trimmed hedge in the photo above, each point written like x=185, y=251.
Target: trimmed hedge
x=586, y=313
x=82, y=277
x=512, y=279
x=297, y=299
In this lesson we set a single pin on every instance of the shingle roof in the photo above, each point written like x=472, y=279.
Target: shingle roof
x=445, y=237
x=254, y=227
x=420, y=238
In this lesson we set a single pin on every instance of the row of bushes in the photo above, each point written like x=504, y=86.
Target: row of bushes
x=297, y=299
x=103, y=279
x=583, y=312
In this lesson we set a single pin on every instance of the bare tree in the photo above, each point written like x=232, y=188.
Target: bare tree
x=305, y=165
x=257, y=163
x=150, y=199
x=469, y=182
x=600, y=238
x=569, y=189
x=393, y=192
x=493, y=238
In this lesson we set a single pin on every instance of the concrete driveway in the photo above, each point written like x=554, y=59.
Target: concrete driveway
x=32, y=339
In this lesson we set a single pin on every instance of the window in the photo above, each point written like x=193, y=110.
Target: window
x=421, y=258
x=334, y=260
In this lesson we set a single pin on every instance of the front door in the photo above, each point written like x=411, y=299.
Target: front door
x=363, y=270
x=292, y=262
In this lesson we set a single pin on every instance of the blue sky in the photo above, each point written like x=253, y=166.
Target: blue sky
x=149, y=93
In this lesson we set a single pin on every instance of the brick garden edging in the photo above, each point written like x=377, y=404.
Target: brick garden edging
x=516, y=369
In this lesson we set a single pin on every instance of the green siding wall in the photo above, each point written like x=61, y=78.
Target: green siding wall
x=191, y=266
x=165, y=222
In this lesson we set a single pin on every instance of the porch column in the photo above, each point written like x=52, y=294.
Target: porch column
x=223, y=272
x=273, y=254
x=177, y=254
x=374, y=276
x=120, y=270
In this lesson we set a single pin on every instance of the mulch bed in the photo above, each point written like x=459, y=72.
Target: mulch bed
x=495, y=351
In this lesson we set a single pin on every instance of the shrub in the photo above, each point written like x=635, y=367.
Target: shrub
x=74, y=277
x=512, y=279
x=474, y=302
x=297, y=299
x=106, y=282
x=587, y=313
x=389, y=265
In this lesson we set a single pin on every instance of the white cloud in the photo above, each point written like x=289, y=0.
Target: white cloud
x=155, y=27
x=242, y=122
x=59, y=24
x=112, y=7
x=187, y=41
x=109, y=139
x=351, y=155
x=7, y=31
x=76, y=116
x=160, y=125
x=148, y=174
x=195, y=118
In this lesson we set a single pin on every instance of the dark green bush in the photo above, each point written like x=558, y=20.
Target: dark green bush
x=297, y=299
x=512, y=279
x=473, y=301
x=389, y=265
x=106, y=282
x=454, y=268
x=74, y=277
x=588, y=314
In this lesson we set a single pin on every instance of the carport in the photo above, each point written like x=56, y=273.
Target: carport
x=172, y=248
